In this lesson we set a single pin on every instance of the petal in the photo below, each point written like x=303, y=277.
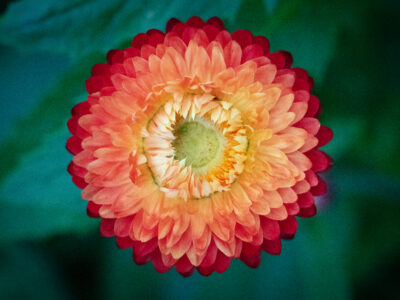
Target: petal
x=308, y=212
x=305, y=200
x=288, y=227
x=155, y=37
x=139, y=40
x=171, y=23
x=211, y=31
x=122, y=226
x=158, y=263
x=173, y=66
x=222, y=262
x=272, y=247
x=243, y=37
x=288, y=195
x=232, y=54
x=320, y=188
x=270, y=228
x=251, y=51
x=279, y=213
x=320, y=161
x=93, y=210
x=313, y=107
x=324, y=136
x=252, y=261
x=292, y=208
x=263, y=42
x=217, y=22
x=184, y=267
x=124, y=242
x=312, y=125
x=195, y=22
x=107, y=227
x=273, y=199
x=74, y=145
x=282, y=59
x=266, y=74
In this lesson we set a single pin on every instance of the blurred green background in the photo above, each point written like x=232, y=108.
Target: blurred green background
x=50, y=249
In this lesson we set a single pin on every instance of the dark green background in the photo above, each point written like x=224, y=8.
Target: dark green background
x=50, y=249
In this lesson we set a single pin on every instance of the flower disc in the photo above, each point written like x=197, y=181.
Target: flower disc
x=196, y=146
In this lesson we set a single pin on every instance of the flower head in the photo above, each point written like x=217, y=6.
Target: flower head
x=196, y=146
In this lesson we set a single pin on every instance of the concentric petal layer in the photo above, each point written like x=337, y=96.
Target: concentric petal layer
x=196, y=146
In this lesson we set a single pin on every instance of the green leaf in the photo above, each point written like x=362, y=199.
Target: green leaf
x=270, y=5
x=309, y=31
x=38, y=199
x=20, y=91
x=364, y=182
x=348, y=135
x=48, y=116
x=37, y=196
x=80, y=27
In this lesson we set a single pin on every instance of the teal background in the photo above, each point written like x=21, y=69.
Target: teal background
x=50, y=249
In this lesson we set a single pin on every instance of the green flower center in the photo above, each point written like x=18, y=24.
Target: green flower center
x=200, y=143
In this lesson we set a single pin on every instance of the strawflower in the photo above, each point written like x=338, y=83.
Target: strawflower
x=196, y=146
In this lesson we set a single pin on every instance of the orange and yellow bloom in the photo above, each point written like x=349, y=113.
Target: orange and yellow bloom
x=196, y=146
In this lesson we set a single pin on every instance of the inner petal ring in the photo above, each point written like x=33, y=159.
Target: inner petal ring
x=195, y=146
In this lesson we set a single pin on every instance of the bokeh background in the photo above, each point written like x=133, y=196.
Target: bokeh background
x=50, y=249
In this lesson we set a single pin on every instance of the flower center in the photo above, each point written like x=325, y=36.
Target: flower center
x=199, y=143
x=195, y=146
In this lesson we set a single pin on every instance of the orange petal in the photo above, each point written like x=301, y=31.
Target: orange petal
x=273, y=199
x=173, y=66
x=288, y=195
x=265, y=74
x=182, y=246
x=226, y=247
x=232, y=54
x=278, y=213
